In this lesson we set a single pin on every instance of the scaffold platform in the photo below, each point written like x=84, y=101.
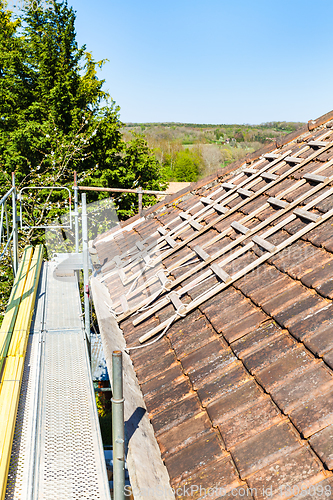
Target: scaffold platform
x=57, y=451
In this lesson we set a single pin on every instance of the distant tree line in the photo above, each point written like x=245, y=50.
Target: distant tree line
x=203, y=148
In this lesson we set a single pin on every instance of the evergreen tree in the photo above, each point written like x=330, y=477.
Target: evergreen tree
x=52, y=118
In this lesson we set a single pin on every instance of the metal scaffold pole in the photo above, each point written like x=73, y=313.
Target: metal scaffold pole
x=15, y=232
x=85, y=268
x=118, y=428
x=76, y=213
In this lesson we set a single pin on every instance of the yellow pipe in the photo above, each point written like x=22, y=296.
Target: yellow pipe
x=9, y=319
x=18, y=327
x=9, y=398
x=20, y=335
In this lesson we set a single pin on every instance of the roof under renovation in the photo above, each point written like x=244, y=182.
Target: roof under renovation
x=223, y=293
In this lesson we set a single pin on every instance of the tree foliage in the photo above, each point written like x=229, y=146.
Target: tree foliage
x=57, y=118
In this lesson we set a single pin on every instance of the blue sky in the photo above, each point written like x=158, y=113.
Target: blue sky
x=216, y=61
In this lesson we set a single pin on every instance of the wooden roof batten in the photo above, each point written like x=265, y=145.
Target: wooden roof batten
x=227, y=197
x=313, y=219
x=285, y=207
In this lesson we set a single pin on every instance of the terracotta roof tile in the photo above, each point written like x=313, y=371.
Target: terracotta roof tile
x=148, y=355
x=292, y=473
x=191, y=333
x=290, y=394
x=291, y=258
x=293, y=362
x=277, y=300
x=214, y=368
x=162, y=380
x=169, y=395
x=196, y=455
x=322, y=489
x=176, y=413
x=234, y=402
x=269, y=353
x=321, y=235
x=308, y=325
x=322, y=443
x=254, y=340
x=238, y=329
x=321, y=275
x=217, y=478
x=210, y=354
x=212, y=307
x=249, y=422
x=321, y=342
x=305, y=307
x=314, y=414
x=158, y=366
x=326, y=204
x=181, y=435
x=228, y=381
x=261, y=277
x=265, y=448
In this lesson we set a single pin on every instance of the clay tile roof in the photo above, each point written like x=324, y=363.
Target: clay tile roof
x=228, y=285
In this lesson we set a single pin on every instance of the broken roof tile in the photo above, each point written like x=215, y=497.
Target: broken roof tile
x=304, y=307
x=236, y=330
x=309, y=324
x=278, y=300
x=321, y=342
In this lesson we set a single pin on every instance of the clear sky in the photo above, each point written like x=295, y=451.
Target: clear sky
x=213, y=61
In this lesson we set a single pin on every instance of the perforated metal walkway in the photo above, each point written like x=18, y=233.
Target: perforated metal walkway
x=57, y=450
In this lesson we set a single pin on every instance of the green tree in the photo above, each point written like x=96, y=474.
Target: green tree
x=56, y=117
x=187, y=166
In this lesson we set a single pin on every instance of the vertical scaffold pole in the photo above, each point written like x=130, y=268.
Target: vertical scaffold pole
x=118, y=427
x=76, y=213
x=85, y=268
x=76, y=220
x=140, y=200
x=15, y=232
